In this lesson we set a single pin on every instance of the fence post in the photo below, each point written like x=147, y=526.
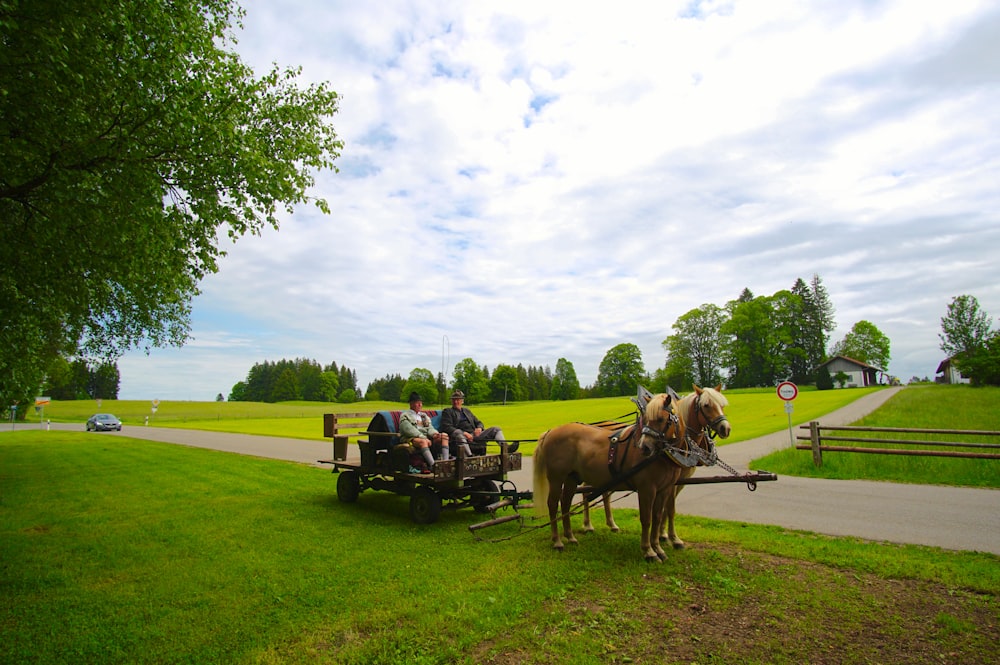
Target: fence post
x=814, y=438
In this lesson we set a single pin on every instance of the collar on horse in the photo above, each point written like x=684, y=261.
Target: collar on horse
x=627, y=436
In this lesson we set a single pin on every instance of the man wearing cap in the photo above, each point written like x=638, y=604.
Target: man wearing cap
x=415, y=428
x=464, y=429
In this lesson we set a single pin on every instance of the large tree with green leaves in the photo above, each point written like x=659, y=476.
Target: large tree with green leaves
x=422, y=382
x=472, y=380
x=966, y=328
x=967, y=335
x=865, y=342
x=757, y=338
x=694, y=351
x=131, y=138
x=621, y=371
x=504, y=384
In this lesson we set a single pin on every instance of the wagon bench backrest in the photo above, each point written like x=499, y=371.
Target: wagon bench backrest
x=351, y=425
x=388, y=421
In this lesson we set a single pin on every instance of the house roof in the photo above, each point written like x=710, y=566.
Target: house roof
x=852, y=361
x=945, y=364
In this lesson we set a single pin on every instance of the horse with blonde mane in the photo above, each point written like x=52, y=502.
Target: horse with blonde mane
x=573, y=453
x=704, y=416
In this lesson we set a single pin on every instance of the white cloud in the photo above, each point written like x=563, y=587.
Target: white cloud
x=525, y=181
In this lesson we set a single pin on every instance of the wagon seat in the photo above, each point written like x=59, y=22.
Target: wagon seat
x=387, y=446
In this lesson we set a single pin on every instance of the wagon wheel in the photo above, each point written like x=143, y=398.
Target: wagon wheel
x=348, y=487
x=487, y=492
x=425, y=505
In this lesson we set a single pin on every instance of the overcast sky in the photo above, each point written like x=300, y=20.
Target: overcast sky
x=528, y=181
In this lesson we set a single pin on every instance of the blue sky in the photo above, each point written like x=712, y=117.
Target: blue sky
x=528, y=181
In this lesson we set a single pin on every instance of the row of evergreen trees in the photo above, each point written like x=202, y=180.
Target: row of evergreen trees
x=299, y=379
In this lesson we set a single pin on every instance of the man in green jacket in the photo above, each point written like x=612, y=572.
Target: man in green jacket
x=415, y=428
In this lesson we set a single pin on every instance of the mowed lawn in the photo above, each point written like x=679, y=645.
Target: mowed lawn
x=751, y=412
x=116, y=550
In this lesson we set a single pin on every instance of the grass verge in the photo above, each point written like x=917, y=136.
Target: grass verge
x=925, y=406
x=116, y=550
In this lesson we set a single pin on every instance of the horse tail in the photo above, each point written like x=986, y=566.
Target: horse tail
x=540, y=495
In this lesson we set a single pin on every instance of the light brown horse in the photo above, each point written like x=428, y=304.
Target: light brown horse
x=704, y=417
x=704, y=413
x=570, y=454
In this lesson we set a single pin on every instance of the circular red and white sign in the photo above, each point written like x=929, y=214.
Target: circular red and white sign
x=787, y=391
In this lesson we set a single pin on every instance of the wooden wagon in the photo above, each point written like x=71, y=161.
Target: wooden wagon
x=387, y=464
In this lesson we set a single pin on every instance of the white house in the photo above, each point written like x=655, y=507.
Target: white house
x=949, y=372
x=858, y=373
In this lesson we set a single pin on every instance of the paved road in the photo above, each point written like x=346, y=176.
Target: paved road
x=948, y=517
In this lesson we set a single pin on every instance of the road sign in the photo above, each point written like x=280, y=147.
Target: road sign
x=787, y=391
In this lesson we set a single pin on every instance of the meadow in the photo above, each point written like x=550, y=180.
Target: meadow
x=927, y=406
x=756, y=411
x=116, y=550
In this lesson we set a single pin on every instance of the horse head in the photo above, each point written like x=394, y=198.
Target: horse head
x=662, y=426
x=708, y=412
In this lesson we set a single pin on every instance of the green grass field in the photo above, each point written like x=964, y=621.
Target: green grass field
x=752, y=412
x=925, y=406
x=115, y=550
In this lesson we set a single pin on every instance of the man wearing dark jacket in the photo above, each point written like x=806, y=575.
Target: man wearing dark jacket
x=464, y=429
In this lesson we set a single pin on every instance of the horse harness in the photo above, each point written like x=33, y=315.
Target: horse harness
x=621, y=439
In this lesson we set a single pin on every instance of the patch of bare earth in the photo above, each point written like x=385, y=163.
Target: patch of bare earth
x=811, y=613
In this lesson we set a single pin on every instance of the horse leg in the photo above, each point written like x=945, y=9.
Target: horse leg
x=553, y=504
x=659, y=514
x=609, y=519
x=647, y=499
x=587, y=526
x=568, y=492
x=669, y=534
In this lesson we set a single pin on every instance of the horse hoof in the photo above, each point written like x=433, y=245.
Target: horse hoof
x=652, y=558
x=662, y=556
x=678, y=545
x=615, y=529
x=588, y=529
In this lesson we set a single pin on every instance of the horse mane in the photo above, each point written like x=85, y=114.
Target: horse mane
x=656, y=406
x=713, y=396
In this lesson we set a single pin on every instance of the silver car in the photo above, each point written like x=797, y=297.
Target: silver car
x=103, y=422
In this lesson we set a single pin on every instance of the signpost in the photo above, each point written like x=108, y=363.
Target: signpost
x=787, y=392
x=41, y=402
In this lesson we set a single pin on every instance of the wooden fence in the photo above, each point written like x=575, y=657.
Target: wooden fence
x=818, y=442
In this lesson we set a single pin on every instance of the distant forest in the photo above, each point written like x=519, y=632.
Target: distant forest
x=299, y=379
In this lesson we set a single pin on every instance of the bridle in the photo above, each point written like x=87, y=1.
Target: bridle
x=710, y=428
x=661, y=440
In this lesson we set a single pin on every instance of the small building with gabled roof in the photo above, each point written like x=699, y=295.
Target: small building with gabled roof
x=949, y=373
x=859, y=374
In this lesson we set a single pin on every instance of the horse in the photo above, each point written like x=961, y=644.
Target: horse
x=575, y=452
x=705, y=418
